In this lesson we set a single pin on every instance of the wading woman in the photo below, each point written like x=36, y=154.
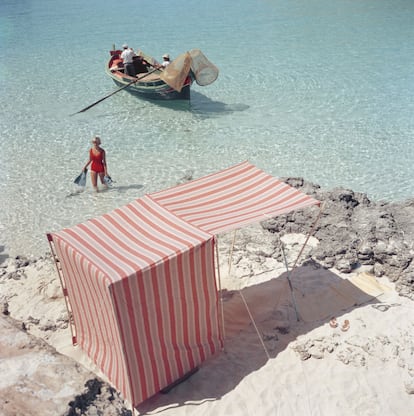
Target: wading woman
x=97, y=159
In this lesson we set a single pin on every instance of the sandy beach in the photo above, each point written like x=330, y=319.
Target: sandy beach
x=284, y=353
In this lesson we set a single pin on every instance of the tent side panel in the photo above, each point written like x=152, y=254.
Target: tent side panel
x=94, y=319
x=168, y=318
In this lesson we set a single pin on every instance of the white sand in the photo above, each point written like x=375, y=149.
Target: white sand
x=275, y=365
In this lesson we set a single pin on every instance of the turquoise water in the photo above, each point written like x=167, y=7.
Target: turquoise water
x=321, y=89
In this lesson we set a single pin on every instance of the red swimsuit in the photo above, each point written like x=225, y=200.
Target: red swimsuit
x=97, y=161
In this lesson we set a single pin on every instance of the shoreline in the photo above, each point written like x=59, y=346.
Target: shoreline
x=356, y=242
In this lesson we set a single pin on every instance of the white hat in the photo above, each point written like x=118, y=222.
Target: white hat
x=125, y=46
x=166, y=56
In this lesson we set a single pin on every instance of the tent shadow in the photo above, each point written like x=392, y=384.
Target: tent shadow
x=318, y=295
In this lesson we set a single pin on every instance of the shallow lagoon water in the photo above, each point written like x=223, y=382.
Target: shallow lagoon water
x=321, y=90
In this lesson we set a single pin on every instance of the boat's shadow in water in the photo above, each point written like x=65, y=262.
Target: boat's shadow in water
x=201, y=105
x=205, y=106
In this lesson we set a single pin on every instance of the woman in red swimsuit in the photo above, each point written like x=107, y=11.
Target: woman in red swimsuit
x=97, y=157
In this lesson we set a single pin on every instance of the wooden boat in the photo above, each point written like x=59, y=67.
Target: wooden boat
x=154, y=82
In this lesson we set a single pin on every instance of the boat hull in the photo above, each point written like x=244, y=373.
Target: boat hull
x=149, y=85
x=154, y=92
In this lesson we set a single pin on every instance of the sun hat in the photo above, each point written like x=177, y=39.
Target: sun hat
x=125, y=46
x=166, y=56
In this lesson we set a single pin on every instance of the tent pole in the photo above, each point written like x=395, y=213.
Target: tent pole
x=244, y=300
x=308, y=236
x=219, y=283
x=289, y=273
x=231, y=250
x=289, y=281
x=64, y=288
x=254, y=324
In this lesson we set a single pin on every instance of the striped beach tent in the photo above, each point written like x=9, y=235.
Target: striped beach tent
x=140, y=287
x=139, y=282
x=232, y=198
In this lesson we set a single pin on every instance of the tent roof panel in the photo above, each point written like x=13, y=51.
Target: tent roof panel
x=237, y=196
x=134, y=237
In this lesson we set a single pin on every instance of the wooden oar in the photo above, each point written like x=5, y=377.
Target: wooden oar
x=112, y=93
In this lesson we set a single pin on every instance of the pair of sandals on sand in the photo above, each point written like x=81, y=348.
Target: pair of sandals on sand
x=333, y=323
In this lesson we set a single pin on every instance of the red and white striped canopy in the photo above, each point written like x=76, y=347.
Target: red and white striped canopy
x=232, y=198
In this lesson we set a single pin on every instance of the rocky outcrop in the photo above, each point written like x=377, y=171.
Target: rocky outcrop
x=354, y=231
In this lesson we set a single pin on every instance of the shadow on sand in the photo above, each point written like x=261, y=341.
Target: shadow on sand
x=318, y=295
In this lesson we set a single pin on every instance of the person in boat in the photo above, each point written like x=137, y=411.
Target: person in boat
x=97, y=157
x=127, y=56
x=165, y=60
x=140, y=64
